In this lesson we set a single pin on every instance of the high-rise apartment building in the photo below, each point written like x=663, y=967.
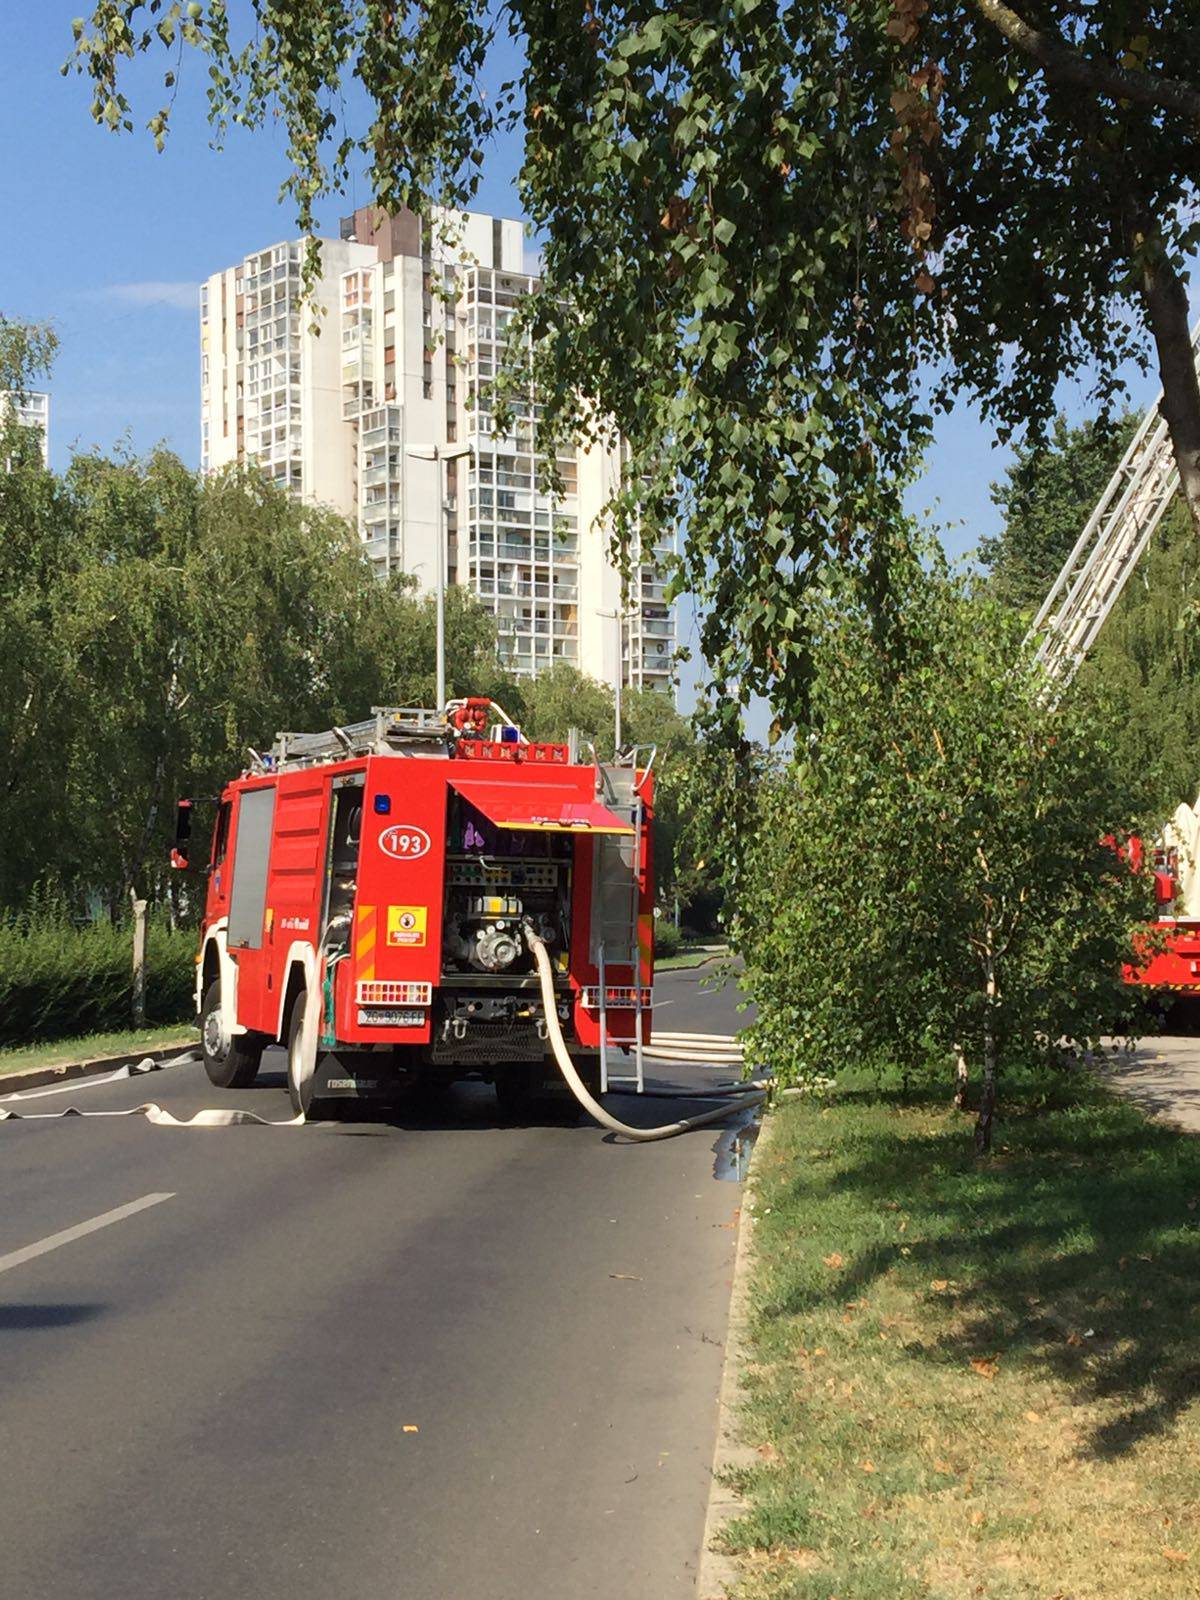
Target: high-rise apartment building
x=32, y=410
x=383, y=415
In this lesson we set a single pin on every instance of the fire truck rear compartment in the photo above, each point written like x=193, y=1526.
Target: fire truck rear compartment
x=497, y=881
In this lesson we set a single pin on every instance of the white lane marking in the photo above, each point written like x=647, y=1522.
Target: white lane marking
x=29, y=1252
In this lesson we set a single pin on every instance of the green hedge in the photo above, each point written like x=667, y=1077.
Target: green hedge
x=666, y=938
x=58, y=979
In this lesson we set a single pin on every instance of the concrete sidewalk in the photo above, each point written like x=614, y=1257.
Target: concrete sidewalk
x=1163, y=1077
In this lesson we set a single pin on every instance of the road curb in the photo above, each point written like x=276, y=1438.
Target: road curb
x=718, y=1572
x=93, y=1067
x=693, y=966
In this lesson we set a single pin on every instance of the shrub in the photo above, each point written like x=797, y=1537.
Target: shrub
x=667, y=938
x=935, y=864
x=58, y=978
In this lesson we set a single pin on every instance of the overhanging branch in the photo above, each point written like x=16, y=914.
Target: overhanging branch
x=1063, y=63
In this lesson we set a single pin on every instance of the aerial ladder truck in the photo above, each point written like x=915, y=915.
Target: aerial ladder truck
x=1080, y=601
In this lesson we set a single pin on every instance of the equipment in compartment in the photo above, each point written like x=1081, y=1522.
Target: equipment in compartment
x=497, y=881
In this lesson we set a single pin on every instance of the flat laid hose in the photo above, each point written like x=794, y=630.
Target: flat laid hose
x=579, y=1089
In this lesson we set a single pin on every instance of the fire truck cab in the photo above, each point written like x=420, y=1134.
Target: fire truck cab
x=387, y=872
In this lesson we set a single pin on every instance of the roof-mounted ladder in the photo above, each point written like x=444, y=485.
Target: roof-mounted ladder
x=387, y=730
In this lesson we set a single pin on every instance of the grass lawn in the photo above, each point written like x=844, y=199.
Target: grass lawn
x=973, y=1378
x=688, y=956
x=59, y=1051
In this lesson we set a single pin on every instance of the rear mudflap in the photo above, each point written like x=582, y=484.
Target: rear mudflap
x=359, y=1075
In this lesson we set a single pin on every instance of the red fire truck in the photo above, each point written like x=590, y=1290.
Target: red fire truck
x=384, y=873
x=1170, y=948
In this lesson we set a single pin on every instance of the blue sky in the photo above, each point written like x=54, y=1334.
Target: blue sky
x=107, y=240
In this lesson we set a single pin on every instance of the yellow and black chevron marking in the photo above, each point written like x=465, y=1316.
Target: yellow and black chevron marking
x=365, y=928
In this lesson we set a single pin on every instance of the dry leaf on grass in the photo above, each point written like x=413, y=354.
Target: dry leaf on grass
x=939, y=1285
x=1175, y=1555
x=985, y=1366
x=1033, y=1416
x=803, y=1558
x=868, y=1466
x=834, y=1261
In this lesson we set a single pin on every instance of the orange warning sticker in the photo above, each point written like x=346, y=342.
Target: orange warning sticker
x=406, y=924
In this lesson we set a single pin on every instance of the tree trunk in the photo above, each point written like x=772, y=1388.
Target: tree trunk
x=139, y=960
x=1165, y=295
x=962, y=1079
x=987, y=1094
x=987, y=1099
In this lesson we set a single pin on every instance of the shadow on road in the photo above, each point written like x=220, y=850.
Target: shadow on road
x=25, y=1318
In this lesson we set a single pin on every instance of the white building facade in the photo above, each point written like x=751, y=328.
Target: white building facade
x=32, y=410
x=382, y=416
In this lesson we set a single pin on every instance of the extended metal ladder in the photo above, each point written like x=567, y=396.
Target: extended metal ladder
x=1110, y=546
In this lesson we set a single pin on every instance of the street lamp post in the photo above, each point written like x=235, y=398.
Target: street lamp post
x=438, y=454
x=619, y=617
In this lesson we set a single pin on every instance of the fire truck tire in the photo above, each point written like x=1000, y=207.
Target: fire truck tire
x=517, y=1087
x=230, y=1063
x=295, y=1029
x=535, y=1088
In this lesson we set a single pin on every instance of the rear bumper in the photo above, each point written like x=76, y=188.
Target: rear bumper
x=383, y=1075
x=1174, y=967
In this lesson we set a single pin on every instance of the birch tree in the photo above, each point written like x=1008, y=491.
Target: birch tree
x=939, y=865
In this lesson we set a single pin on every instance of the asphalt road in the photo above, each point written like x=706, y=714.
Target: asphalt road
x=1163, y=1076
x=446, y=1360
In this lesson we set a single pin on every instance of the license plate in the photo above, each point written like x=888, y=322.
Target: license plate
x=390, y=1017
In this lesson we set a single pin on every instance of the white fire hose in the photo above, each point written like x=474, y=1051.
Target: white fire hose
x=579, y=1089
x=694, y=1049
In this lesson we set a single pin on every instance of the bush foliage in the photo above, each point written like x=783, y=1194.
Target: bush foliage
x=936, y=866
x=59, y=979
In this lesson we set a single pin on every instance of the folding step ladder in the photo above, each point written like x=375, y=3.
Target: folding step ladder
x=616, y=903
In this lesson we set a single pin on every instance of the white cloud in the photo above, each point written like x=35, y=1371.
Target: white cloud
x=176, y=296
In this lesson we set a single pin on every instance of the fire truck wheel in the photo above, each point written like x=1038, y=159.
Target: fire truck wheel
x=301, y=1100
x=517, y=1087
x=536, y=1089
x=230, y=1063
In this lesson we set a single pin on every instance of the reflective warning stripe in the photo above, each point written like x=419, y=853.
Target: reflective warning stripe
x=364, y=943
